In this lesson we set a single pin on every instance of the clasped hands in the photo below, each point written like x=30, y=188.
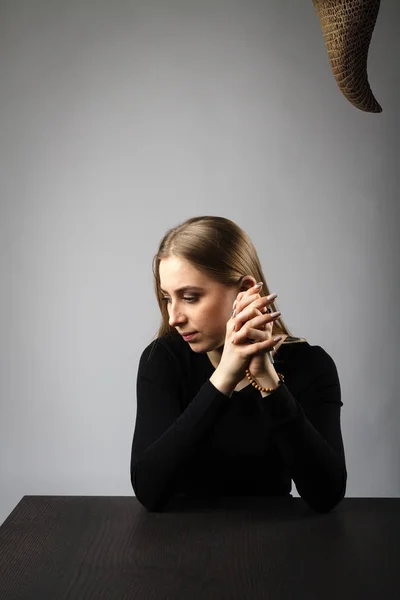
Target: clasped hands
x=249, y=338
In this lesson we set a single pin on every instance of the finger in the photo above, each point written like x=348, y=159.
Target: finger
x=258, y=347
x=263, y=325
x=267, y=309
x=251, y=313
x=243, y=299
x=245, y=315
x=238, y=298
x=264, y=304
x=260, y=302
x=252, y=336
x=260, y=321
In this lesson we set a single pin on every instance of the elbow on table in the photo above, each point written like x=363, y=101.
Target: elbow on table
x=150, y=501
x=324, y=503
x=151, y=505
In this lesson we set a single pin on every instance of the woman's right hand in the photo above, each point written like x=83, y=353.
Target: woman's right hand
x=251, y=338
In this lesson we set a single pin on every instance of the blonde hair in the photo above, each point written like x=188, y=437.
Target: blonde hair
x=217, y=247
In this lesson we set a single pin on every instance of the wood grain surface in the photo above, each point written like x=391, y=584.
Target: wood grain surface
x=57, y=547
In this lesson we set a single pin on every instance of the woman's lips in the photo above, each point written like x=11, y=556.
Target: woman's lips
x=189, y=336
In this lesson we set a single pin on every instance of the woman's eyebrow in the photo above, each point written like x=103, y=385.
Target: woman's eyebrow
x=185, y=288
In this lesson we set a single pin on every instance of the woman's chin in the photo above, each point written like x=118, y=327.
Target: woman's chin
x=201, y=345
x=197, y=346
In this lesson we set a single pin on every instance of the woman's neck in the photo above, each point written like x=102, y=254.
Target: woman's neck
x=214, y=356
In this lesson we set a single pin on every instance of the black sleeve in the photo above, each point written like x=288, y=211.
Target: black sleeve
x=308, y=433
x=168, y=425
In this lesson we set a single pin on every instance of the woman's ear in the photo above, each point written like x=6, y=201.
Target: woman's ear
x=247, y=282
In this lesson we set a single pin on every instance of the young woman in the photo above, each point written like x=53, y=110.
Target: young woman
x=228, y=402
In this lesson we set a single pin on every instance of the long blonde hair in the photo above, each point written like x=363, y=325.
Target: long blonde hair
x=220, y=249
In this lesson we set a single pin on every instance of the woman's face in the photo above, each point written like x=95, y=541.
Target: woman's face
x=198, y=306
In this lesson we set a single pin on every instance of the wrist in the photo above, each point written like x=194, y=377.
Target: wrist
x=262, y=368
x=265, y=383
x=268, y=381
x=223, y=382
x=271, y=384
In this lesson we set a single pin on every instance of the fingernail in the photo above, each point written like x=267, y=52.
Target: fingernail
x=259, y=284
x=234, y=313
x=272, y=296
x=276, y=314
x=278, y=339
x=234, y=304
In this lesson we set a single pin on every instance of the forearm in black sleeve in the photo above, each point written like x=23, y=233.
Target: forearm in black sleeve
x=165, y=438
x=310, y=439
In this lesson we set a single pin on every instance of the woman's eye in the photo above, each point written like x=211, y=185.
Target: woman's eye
x=189, y=299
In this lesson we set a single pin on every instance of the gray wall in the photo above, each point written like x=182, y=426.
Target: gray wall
x=119, y=120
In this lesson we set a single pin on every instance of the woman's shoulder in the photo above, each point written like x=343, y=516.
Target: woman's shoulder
x=299, y=349
x=293, y=345
x=164, y=347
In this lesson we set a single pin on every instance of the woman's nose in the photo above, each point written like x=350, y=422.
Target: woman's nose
x=175, y=317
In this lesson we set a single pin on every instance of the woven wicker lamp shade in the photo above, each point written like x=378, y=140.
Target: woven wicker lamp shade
x=347, y=27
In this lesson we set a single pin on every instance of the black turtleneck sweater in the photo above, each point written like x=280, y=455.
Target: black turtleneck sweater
x=190, y=439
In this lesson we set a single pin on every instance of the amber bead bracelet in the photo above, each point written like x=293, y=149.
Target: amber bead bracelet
x=258, y=387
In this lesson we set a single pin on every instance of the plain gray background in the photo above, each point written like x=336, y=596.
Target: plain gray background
x=120, y=120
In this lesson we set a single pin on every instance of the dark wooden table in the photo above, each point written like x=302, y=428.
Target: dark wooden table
x=71, y=547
